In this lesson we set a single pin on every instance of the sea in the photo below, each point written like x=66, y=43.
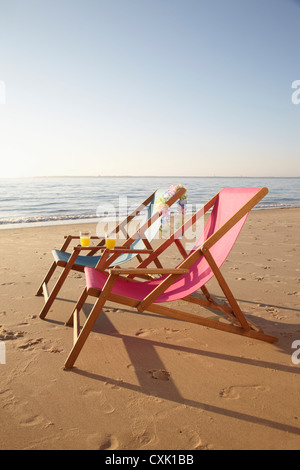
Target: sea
x=42, y=201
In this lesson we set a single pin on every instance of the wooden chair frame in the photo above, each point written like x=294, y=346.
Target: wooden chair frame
x=71, y=264
x=238, y=323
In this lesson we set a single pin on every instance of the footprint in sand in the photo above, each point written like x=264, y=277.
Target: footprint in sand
x=191, y=438
x=29, y=344
x=143, y=333
x=146, y=332
x=160, y=374
x=143, y=432
x=169, y=332
x=98, y=442
x=20, y=409
x=53, y=349
x=7, y=335
x=274, y=312
x=99, y=400
x=234, y=392
x=29, y=419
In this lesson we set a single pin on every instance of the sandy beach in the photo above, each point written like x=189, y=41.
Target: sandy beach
x=144, y=382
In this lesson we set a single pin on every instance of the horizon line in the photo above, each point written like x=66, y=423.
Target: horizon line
x=141, y=176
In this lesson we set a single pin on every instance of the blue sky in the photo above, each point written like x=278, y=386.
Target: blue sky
x=156, y=87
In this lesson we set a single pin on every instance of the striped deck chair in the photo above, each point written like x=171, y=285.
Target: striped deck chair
x=230, y=208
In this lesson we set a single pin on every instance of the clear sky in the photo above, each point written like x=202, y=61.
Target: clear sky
x=155, y=87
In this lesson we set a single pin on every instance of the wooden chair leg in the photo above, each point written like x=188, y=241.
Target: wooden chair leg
x=226, y=290
x=48, y=276
x=81, y=338
x=78, y=307
x=206, y=293
x=46, y=279
x=58, y=285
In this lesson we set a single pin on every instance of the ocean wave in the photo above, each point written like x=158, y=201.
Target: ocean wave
x=276, y=205
x=58, y=219
x=37, y=219
x=74, y=218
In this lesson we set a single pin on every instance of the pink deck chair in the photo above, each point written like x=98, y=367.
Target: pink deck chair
x=230, y=208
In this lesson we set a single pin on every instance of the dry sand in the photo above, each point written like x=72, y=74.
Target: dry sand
x=147, y=382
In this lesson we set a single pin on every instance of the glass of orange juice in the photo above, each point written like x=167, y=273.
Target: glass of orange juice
x=110, y=241
x=85, y=238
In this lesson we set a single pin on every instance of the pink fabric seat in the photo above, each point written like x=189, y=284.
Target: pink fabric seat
x=229, y=201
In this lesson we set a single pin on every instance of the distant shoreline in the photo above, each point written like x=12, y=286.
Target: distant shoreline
x=96, y=220
x=149, y=177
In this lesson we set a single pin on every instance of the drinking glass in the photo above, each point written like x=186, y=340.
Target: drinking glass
x=85, y=238
x=110, y=242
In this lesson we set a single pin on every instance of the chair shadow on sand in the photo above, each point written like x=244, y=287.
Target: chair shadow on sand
x=134, y=346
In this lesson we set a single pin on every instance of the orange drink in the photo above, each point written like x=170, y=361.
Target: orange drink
x=85, y=238
x=110, y=243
